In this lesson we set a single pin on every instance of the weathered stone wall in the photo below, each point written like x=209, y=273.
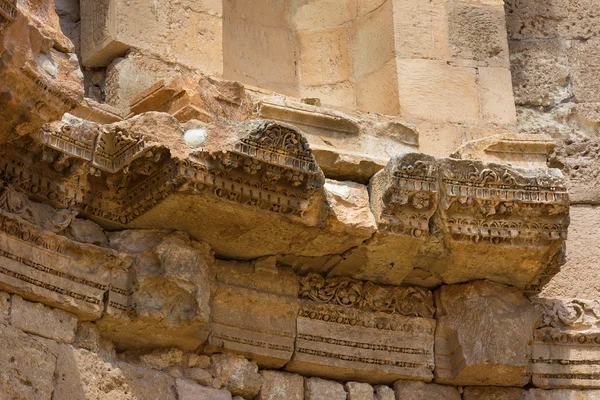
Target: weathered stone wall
x=554, y=53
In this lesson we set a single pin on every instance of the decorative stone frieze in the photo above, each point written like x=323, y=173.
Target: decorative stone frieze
x=347, y=329
x=566, y=346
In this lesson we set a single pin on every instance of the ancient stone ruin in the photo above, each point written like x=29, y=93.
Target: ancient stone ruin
x=299, y=200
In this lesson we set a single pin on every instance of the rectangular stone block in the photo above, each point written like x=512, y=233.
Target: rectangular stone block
x=414, y=28
x=477, y=33
x=42, y=320
x=35, y=267
x=258, y=325
x=566, y=351
x=181, y=32
x=496, y=95
x=324, y=56
x=375, y=93
x=346, y=344
x=435, y=91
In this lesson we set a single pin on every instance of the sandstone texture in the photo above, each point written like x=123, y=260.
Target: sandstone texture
x=299, y=200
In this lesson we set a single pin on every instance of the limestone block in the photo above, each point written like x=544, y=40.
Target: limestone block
x=564, y=344
x=539, y=394
x=372, y=41
x=263, y=275
x=4, y=307
x=281, y=386
x=45, y=267
x=384, y=393
x=324, y=56
x=582, y=20
x=403, y=199
x=337, y=339
x=27, y=365
x=359, y=391
x=182, y=33
x=413, y=29
x=496, y=96
x=187, y=390
x=428, y=89
x=577, y=278
x=170, y=303
x=502, y=221
x=494, y=393
x=375, y=94
x=259, y=325
x=517, y=150
x=408, y=390
x=86, y=231
x=439, y=139
x=128, y=76
x=478, y=33
x=584, y=61
x=532, y=19
x=199, y=375
x=322, y=14
x=162, y=358
x=349, y=202
x=577, y=159
x=236, y=374
x=540, y=70
x=477, y=341
x=341, y=94
x=81, y=374
x=264, y=55
x=40, y=78
x=43, y=321
x=316, y=388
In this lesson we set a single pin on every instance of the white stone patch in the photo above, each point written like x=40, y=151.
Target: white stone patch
x=195, y=137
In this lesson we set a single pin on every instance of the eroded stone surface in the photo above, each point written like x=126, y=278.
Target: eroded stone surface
x=281, y=386
x=419, y=390
x=483, y=335
x=42, y=320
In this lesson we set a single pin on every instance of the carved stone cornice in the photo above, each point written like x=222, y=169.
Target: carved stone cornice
x=270, y=167
x=570, y=315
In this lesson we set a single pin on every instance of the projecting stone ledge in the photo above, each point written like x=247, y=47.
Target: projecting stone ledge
x=249, y=189
x=252, y=189
x=451, y=221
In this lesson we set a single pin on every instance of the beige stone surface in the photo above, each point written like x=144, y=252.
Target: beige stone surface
x=238, y=375
x=478, y=33
x=359, y=391
x=187, y=390
x=281, y=386
x=316, y=388
x=4, y=307
x=188, y=33
x=42, y=320
x=170, y=303
x=340, y=342
x=409, y=390
x=255, y=324
x=384, y=393
x=81, y=374
x=428, y=89
x=495, y=95
x=27, y=365
x=324, y=56
x=540, y=71
x=577, y=278
x=483, y=335
x=494, y=393
x=40, y=78
x=584, y=61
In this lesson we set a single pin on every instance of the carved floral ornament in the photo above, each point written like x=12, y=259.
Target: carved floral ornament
x=571, y=315
x=348, y=292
